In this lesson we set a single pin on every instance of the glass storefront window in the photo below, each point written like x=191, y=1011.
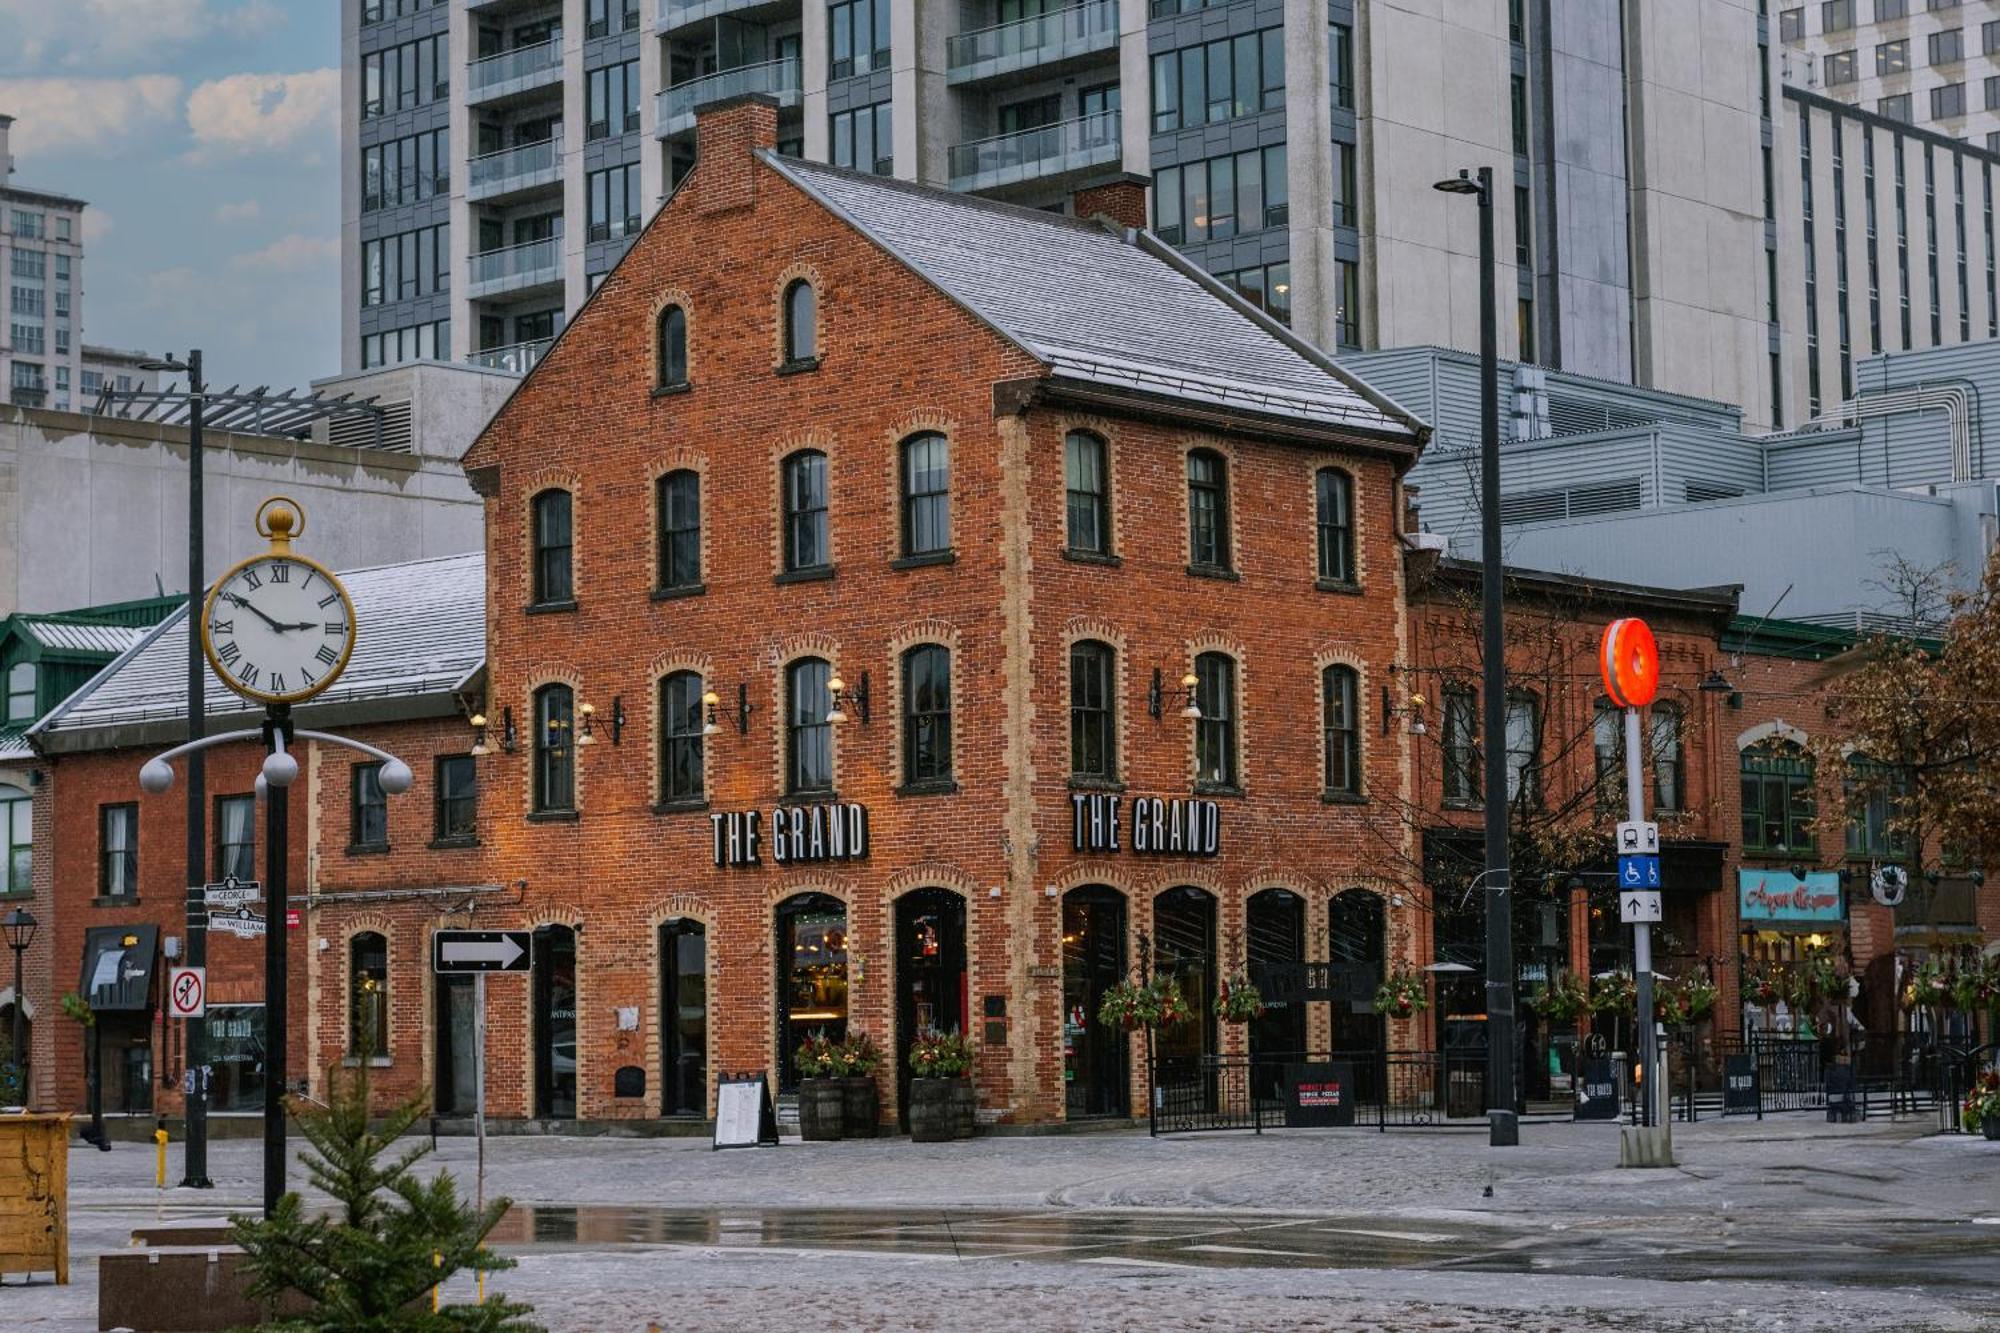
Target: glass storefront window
x=812, y=975
x=236, y=1057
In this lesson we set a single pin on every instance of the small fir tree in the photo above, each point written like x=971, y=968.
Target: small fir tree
x=371, y=1265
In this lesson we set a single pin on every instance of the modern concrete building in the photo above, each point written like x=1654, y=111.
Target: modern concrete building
x=1819, y=524
x=1932, y=64
x=499, y=155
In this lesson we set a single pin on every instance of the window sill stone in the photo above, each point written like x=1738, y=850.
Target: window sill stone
x=929, y=787
x=827, y=797
x=681, y=806
x=674, y=594
x=451, y=844
x=105, y=900
x=1104, y=558
x=1338, y=586
x=553, y=816
x=1218, y=789
x=1342, y=798
x=672, y=390
x=804, y=366
x=811, y=574
x=367, y=849
x=551, y=608
x=946, y=557
x=1084, y=782
x=1214, y=572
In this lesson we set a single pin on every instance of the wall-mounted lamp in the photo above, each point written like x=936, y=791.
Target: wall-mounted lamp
x=478, y=735
x=843, y=696
x=617, y=717
x=712, y=703
x=1414, y=710
x=1191, y=709
x=584, y=737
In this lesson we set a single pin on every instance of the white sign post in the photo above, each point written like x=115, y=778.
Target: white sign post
x=187, y=992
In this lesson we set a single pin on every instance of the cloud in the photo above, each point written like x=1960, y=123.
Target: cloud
x=246, y=211
x=90, y=34
x=245, y=114
x=97, y=224
x=96, y=117
x=290, y=253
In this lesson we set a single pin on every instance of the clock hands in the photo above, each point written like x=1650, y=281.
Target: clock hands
x=279, y=625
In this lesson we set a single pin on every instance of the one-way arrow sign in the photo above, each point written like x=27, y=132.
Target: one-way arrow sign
x=481, y=951
x=1639, y=905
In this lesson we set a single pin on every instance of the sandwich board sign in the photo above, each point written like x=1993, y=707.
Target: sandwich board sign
x=744, y=1116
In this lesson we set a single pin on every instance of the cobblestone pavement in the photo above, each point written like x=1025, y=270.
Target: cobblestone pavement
x=1787, y=1223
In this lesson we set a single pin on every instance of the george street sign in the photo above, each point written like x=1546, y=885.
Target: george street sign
x=232, y=892
x=1638, y=906
x=482, y=951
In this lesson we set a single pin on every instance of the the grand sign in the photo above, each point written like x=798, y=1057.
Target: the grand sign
x=1779, y=895
x=1147, y=825
x=793, y=835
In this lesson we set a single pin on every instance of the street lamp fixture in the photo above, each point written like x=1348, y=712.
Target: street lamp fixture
x=1716, y=683
x=19, y=926
x=1462, y=183
x=1190, y=710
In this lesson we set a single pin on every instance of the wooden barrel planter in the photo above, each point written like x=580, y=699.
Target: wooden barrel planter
x=932, y=1110
x=821, y=1109
x=964, y=1108
x=860, y=1109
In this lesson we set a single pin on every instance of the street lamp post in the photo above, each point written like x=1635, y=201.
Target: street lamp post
x=1501, y=1097
x=195, y=1045
x=19, y=926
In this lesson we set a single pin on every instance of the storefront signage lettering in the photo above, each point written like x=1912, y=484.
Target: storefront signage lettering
x=1152, y=826
x=1779, y=895
x=793, y=834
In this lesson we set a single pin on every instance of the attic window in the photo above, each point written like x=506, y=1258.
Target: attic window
x=21, y=692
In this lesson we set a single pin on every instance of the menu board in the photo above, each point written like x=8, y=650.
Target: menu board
x=744, y=1116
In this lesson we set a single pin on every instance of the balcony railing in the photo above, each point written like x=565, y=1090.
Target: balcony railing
x=517, y=70
x=518, y=168
x=1037, y=40
x=675, y=14
x=1047, y=150
x=28, y=395
x=516, y=266
x=518, y=358
x=676, y=106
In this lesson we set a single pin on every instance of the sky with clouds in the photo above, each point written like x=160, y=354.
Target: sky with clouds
x=205, y=136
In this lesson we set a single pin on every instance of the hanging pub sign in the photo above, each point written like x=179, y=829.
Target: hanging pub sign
x=793, y=835
x=1150, y=826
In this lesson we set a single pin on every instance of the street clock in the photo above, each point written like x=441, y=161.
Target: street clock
x=278, y=627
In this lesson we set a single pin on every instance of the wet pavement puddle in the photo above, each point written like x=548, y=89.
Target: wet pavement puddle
x=1789, y=1247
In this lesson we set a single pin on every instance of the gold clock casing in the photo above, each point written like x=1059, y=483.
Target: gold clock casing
x=223, y=673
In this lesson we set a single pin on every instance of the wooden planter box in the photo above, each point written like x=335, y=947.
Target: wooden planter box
x=34, y=1195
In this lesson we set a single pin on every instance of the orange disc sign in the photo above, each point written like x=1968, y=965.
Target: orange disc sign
x=1631, y=663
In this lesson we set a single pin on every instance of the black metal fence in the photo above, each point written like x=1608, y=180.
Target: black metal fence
x=1382, y=1090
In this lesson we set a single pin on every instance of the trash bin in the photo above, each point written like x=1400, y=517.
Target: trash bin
x=34, y=1195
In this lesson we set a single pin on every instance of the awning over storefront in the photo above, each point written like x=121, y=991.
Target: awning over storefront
x=118, y=966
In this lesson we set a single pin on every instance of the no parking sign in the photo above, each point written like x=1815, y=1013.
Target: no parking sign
x=187, y=992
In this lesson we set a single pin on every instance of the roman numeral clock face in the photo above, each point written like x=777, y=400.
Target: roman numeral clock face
x=278, y=628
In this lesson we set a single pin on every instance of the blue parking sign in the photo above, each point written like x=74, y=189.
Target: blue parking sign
x=1638, y=872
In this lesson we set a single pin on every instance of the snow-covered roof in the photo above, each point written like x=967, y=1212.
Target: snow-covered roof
x=78, y=637
x=421, y=631
x=1114, y=310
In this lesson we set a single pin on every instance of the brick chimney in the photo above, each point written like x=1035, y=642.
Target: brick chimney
x=726, y=133
x=1122, y=199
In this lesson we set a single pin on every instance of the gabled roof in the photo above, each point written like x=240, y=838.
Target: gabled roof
x=1123, y=312
x=422, y=636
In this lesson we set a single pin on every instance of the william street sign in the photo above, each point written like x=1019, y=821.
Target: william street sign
x=481, y=951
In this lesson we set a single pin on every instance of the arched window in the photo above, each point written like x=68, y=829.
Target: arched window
x=672, y=333
x=1208, y=509
x=1093, y=729
x=1777, y=779
x=681, y=720
x=927, y=714
x=677, y=500
x=801, y=323
x=1335, y=492
x=368, y=995
x=17, y=825
x=808, y=734
x=926, y=494
x=1607, y=743
x=1339, y=688
x=553, y=547
x=1087, y=482
x=806, y=537
x=1669, y=770
x=555, y=749
x=1215, y=729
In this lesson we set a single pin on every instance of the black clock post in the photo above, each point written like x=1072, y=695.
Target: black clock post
x=277, y=885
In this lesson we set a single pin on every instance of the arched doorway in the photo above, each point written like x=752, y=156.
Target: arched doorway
x=1276, y=922
x=1095, y=1056
x=812, y=976
x=555, y=1023
x=683, y=1018
x=1356, y=937
x=930, y=975
x=1184, y=949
